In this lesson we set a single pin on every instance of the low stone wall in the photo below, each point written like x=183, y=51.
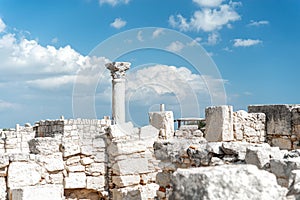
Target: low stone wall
x=282, y=124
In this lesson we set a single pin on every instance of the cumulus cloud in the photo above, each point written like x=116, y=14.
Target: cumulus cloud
x=118, y=23
x=206, y=19
x=213, y=38
x=158, y=32
x=208, y=3
x=2, y=26
x=245, y=42
x=258, y=23
x=113, y=2
x=175, y=46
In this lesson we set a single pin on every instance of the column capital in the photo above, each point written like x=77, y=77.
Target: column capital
x=118, y=69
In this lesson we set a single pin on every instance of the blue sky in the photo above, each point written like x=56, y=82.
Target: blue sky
x=44, y=45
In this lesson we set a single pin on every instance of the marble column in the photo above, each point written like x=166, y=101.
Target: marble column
x=118, y=74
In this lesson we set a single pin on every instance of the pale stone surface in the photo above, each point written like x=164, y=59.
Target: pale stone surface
x=2, y=188
x=127, y=180
x=22, y=174
x=282, y=143
x=294, y=184
x=225, y=182
x=75, y=180
x=219, y=124
x=126, y=147
x=164, y=122
x=52, y=162
x=96, y=168
x=44, y=146
x=131, y=166
x=86, y=161
x=44, y=192
x=95, y=183
x=4, y=160
x=235, y=148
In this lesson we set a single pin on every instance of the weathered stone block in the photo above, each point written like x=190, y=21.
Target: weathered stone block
x=126, y=147
x=96, y=168
x=45, y=192
x=225, y=182
x=95, y=183
x=52, y=162
x=127, y=180
x=131, y=166
x=44, y=146
x=2, y=188
x=164, y=122
x=219, y=124
x=4, y=161
x=282, y=143
x=21, y=174
x=75, y=180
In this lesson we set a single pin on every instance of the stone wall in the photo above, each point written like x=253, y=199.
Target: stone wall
x=282, y=124
x=78, y=159
x=222, y=124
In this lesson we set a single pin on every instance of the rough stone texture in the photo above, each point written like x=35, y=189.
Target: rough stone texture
x=219, y=124
x=95, y=183
x=260, y=155
x=44, y=192
x=225, y=182
x=75, y=180
x=2, y=188
x=122, y=181
x=44, y=146
x=21, y=174
x=164, y=122
x=249, y=127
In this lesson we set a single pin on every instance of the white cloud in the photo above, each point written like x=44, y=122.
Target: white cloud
x=213, y=38
x=258, y=23
x=140, y=36
x=4, y=105
x=158, y=32
x=39, y=66
x=207, y=19
x=118, y=23
x=2, y=26
x=195, y=42
x=175, y=46
x=245, y=42
x=113, y=2
x=208, y=3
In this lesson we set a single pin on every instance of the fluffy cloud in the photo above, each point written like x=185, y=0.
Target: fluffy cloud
x=258, y=23
x=213, y=38
x=113, y=2
x=158, y=32
x=208, y=3
x=175, y=46
x=206, y=19
x=118, y=23
x=2, y=25
x=245, y=42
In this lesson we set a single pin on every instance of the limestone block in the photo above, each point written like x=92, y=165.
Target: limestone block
x=52, y=162
x=283, y=167
x=44, y=145
x=86, y=161
x=100, y=157
x=4, y=160
x=258, y=156
x=99, y=143
x=225, y=182
x=147, y=178
x=235, y=148
x=219, y=124
x=278, y=117
x=96, y=168
x=282, y=143
x=22, y=174
x=18, y=157
x=215, y=147
x=70, y=147
x=95, y=183
x=56, y=178
x=2, y=188
x=75, y=168
x=128, y=193
x=87, y=150
x=45, y=192
x=131, y=166
x=75, y=180
x=126, y=147
x=163, y=178
x=73, y=160
x=123, y=130
x=124, y=181
x=164, y=122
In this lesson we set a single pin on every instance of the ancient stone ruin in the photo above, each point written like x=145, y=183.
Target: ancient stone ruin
x=226, y=155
